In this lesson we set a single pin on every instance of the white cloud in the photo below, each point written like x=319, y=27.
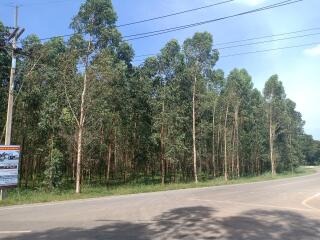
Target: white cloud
x=313, y=52
x=252, y=2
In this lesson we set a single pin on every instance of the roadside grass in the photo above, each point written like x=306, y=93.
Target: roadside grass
x=25, y=196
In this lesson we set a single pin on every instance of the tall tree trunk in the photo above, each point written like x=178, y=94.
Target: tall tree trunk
x=115, y=153
x=200, y=151
x=100, y=153
x=108, y=162
x=22, y=160
x=194, y=131
x=81, y=123
x=225, y=145
x=290, y=149
x=213, y=148
x=33, y=173
x=162, y=149
x=80, y=132
x=271, y=139
x=26, y=172
x=126, y=160
x=219, y=149
x=237, y=139
x=233, y=148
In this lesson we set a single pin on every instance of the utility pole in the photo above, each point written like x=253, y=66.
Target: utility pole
x=15, y=35
x=11, y=84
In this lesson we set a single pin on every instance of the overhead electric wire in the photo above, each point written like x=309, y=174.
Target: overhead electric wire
x=269, y=50
x=255, y=43
x=173, y=29
x=279, y=4
x=217, y=44
x=259, y=51
x=268, y=41
x=140, y=21
x=268, y=36
x=143, y=20
x=174, y=14
x=58, y=36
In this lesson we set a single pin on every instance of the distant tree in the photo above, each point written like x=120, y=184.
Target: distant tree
x=275, y=98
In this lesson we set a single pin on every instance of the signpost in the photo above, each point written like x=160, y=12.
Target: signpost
x=9, y=167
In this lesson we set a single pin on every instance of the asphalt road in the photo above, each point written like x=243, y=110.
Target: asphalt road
x=279, y=209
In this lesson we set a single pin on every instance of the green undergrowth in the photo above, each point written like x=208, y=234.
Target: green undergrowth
x=25, y=196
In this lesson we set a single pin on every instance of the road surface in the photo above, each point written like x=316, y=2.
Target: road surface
x=280, y=209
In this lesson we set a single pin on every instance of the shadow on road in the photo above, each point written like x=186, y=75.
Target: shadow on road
x=196, y=223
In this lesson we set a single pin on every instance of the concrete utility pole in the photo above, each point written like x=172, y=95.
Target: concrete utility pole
x=11, y=84
x=16, y=34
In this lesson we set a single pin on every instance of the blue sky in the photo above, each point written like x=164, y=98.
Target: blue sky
x=298, y=68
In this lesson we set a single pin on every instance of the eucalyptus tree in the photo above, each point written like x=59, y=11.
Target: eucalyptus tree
x=166, y=88
x=241, y=87
x=95, y=22
x=200, y=57
x=215, y=88
x=109, y=95
x=254, y=138
x=109, y=111
x=139, y=112
x=310, y=149
x=275, y=96
x=209, y=109
x=38, y=103
x=291, y=152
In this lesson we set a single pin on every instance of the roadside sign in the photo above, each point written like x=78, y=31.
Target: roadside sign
x=9, y=166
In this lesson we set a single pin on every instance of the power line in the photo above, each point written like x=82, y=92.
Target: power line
x=269, y=50
x=258, y=51
x=174, y=14
x=164, y=31
x=173, y=29
x=279, y=4
x=260, y=42
x=269, y=41
x=143, y=20
x=58, y=36
x=168, y=30
x=257, y=38
x=268, y=36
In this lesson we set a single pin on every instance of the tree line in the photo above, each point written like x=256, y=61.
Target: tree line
x=84, y=113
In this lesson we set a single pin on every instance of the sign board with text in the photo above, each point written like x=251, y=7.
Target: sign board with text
x=9, y=166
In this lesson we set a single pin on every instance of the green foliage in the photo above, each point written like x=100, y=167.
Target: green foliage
x=97, y=19
x=310, y=149
x=53, y=175
x=5, y=62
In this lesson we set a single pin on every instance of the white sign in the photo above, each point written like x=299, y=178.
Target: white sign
x=9, y=166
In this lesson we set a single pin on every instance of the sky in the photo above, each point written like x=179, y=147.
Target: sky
x=298, y=68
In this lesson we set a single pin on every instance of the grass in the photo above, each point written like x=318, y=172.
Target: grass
x=17, y=196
